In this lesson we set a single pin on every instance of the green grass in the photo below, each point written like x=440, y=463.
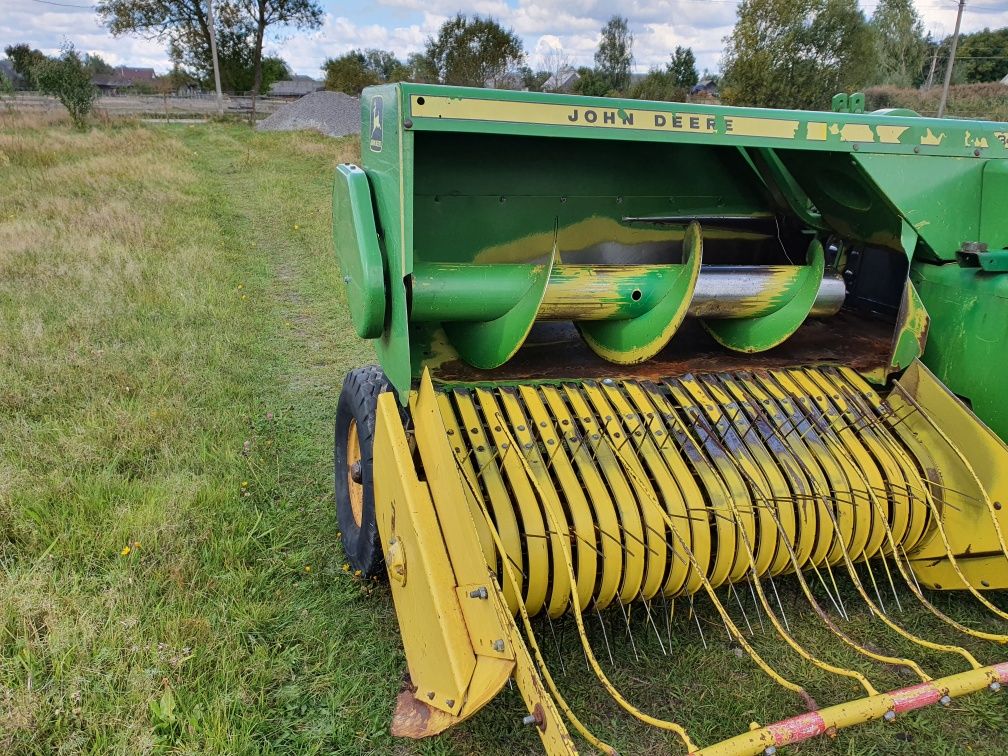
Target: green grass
x=174, y=336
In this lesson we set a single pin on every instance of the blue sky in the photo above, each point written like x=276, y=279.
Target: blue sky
x=549, y=28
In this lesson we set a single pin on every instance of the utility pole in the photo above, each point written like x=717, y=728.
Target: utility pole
x=951, y=61
x=934, y=63
x=213, y=54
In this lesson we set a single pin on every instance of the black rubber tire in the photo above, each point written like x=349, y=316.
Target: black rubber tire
x=358, y=402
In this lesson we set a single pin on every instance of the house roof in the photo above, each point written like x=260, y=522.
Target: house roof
x=134, y=74
x=123, y=76
x=296, y=86
x=560, y=79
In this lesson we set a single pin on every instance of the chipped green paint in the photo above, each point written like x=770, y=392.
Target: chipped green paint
x=633, y=340
x=765, y=332
x=967, y=336
x=481, y=177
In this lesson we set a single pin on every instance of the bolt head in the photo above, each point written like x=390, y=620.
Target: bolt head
x=995, y=686
x=479, y=593
x=529, y=719
x=770, y=751
x=945, y=700
x=889, y=716
x=498, y=646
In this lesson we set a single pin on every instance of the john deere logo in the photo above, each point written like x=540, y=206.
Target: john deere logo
x=376, y=124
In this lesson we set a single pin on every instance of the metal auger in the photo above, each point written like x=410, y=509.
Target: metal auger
x=763, y=296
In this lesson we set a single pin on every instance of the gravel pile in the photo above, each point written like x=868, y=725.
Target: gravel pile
x=333, y=113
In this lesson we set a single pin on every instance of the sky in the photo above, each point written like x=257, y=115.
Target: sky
x=548, y=28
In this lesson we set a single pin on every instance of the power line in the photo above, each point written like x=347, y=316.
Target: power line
x=64, y=5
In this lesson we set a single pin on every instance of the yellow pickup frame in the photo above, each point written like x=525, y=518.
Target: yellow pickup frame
x=463, y=643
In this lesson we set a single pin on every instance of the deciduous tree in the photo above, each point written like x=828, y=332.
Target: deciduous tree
x=23, y=58
x=981, y=56
x=614, y=56
x=902, y=43
x=182, y=24
x=65, y=78
x=796, y=53
x=476, y=52
x=353, y=71
x=671, y=83
x=300, y=14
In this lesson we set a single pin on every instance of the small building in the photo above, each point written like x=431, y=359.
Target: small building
x=297, y=86
x=563, y=80
x=705, y=88
x=123, y=78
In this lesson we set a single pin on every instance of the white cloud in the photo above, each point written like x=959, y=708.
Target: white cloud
x=402, y=26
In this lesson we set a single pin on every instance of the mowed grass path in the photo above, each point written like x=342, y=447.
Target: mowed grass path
x=173, y=337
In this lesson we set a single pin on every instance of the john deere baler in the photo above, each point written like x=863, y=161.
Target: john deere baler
x=631, y=352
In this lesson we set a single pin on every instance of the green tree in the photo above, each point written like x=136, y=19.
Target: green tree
x=348, y=73
x=240, y=26
x=66, y=79
x=532, y=80
x=682, y=67
x=671, y=83
x=262, y=14
x=476, y=52
x=592, y=83
x=23, y=58
x=421, y=68
x=796, y=53
x=95, y=64
x=902, y=43
x=981, y=56
x=181, y=24
x=386, y=66
x=614, y=56
x=353, y=71
x=274, y=69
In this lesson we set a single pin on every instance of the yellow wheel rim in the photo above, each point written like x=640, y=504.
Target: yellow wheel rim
x=355, y=487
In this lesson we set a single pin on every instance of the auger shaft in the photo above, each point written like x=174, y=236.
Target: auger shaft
x=448, y=292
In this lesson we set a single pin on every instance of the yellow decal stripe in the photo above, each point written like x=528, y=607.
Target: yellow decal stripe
x=561, y=114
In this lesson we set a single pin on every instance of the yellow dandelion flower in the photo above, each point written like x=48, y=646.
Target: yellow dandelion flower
x=296, y=226
x=240, y=286
x=136, y=544
x=244, y=297
x=346, y=568
x=357, y=573
x=125, y=551
x=307, y=568
x=244, y=484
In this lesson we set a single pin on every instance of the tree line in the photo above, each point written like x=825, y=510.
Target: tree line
x=781, y=53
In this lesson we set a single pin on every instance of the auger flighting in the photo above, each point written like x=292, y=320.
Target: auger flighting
x=677, y=354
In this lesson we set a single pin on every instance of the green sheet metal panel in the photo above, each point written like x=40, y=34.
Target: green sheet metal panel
x=356, y=240
x=968, y=334
x=500, y=175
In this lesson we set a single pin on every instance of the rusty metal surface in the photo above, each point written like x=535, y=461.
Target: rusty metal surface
x=554, y=351
x=415, y=719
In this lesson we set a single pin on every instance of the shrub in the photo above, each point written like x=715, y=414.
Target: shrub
x=65, y=78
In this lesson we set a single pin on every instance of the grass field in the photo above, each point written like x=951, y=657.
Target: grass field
x=174, y=336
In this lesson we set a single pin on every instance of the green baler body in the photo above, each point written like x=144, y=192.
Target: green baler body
x=482, y=178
